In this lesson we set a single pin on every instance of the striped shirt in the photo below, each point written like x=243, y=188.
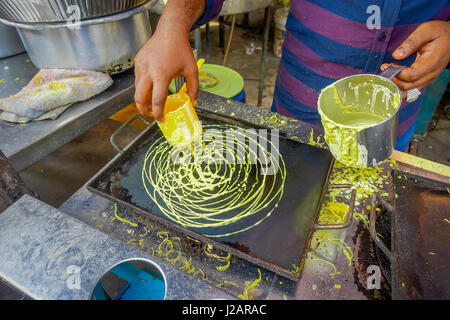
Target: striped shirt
x=328, y=40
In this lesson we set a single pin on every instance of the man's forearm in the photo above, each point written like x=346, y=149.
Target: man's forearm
x=182, y=13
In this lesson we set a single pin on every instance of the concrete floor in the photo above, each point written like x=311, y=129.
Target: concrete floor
x=247, y=61
x=435, y=145
x=60, y=174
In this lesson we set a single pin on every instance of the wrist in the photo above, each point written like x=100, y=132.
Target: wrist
x=169, y=29
x=182, y=14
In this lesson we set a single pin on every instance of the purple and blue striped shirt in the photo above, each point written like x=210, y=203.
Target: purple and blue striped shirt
x=328, y=40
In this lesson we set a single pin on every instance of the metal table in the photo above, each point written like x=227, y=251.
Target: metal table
x=138, y=232
x=25, y=144
x=41, y=253
x=99, y=212
x=315, y=281
x=138, y=235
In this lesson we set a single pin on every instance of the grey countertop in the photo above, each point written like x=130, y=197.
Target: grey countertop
x=39, y=245
x=25, y=144
x=142, y=236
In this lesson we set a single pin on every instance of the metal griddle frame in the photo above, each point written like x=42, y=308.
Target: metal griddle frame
x=125, y=152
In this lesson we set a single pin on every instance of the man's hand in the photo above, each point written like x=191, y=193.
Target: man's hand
x=431, y=41
x=167, y=55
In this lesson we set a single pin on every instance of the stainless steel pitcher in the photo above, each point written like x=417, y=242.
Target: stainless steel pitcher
x=365, y=145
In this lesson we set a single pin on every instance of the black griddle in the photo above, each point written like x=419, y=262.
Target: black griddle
x=279, y=243
x=414, y=249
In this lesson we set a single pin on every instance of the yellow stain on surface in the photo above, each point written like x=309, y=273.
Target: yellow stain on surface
x=57, y=85
x=37, y=80
x=126, y=113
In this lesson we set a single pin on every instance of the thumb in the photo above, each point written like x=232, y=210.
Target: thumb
x=419, y=37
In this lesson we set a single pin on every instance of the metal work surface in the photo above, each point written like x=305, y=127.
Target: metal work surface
x=216, y=267
x=176, y=249
x=230, y=7
x=289, y=226
x=39, y=245
x=420, y=238
x=230, y=272
x=25, y=144
x=292, y=128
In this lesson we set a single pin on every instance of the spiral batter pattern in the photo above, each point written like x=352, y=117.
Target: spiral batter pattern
x=221, y=190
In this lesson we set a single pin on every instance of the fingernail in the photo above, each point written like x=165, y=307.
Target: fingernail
x=399, y=52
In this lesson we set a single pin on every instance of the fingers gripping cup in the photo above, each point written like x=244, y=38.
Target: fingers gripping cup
x=360, y=118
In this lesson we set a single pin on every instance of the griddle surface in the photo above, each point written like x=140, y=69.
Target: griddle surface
x=277, y=243
x=421, y=238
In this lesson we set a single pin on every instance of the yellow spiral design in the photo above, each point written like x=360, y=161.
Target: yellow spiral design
x=221, y=191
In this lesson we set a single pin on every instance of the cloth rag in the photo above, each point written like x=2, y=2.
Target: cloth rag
x=51, y=92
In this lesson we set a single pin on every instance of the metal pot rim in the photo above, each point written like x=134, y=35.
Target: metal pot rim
x=322, y=113
x=54, y=11
x=99, y=20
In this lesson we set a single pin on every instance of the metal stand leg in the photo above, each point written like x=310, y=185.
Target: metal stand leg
x=221, y=32
x=247, y=20
x=198, y=42
x=268, y=17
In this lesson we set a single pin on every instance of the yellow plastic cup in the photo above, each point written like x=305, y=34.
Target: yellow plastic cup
x=181, y=125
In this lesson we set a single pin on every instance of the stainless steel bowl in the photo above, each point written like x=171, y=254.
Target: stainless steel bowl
x=37, y=11
x=376, y=100
x=10, y=43
x=108, y=44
